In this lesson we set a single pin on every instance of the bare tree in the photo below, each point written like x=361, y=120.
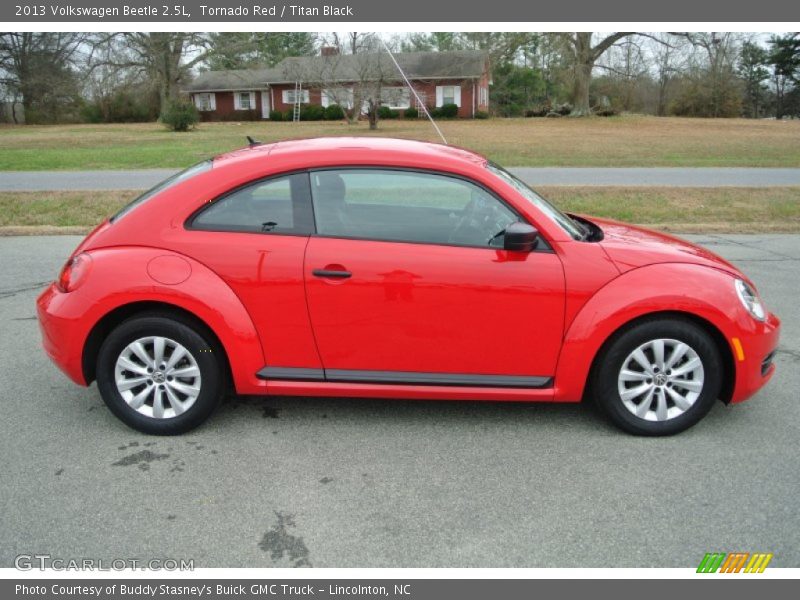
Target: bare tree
x=712, y=69
x=358, y=42
x=669, y=57
x=325, y=72
x=165, y=58
x=584, y=55
x=41, y=69
x=351, y=42
x=627, y=66
x=367, y=70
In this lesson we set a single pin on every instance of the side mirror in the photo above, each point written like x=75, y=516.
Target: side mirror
x=520, y=237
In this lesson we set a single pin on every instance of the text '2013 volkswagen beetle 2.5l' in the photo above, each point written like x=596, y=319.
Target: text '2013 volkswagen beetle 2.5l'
x=395, y=269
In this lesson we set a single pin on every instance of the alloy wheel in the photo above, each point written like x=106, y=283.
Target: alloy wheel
x=157, y=377
x=661, y=379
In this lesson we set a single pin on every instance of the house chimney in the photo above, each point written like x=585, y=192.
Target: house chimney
x=328, y=51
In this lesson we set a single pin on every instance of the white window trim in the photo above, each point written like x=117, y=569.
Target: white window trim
x=440, y=95
x=212, y=102
x=304, y=96
x=237, y=100
x=325, y=100
x=407, y=95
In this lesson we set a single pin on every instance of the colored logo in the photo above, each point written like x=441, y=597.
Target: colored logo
x=735, y=562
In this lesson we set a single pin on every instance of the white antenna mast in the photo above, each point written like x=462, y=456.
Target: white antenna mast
x=420, y=103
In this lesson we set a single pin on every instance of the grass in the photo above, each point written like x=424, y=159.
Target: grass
x=628, y=141
x=732, y=210
x=688, y=210
x=57, y=212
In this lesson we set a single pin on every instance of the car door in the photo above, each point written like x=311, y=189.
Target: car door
x=407, y=282
x=254, y=238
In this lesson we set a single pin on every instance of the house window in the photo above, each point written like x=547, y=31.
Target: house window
x=244, y=100
x=341, y=96
x=484, y=96
x=290, y=98
x=204, y=102
x=396, y=97
x=448, y=94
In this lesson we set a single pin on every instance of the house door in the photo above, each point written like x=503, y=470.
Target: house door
x=265, y=107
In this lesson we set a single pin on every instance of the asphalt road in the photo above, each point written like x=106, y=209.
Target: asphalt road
x=19, y=181
x=383, y=483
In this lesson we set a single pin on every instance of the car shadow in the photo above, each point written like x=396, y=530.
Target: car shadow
x=371, y=411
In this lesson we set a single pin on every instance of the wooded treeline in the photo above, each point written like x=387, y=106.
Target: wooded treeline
x=119, y=77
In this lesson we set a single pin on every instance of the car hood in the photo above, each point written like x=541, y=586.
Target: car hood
x=631, y=247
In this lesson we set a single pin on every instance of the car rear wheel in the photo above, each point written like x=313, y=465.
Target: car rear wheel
x=160, y=375
x=658, y=377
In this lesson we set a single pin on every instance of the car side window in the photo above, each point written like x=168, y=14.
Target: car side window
x=407, y=206
x=277, y=205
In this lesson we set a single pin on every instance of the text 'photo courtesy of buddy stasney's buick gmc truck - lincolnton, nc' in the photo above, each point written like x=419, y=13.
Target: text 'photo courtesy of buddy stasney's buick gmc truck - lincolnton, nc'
x=384, y=268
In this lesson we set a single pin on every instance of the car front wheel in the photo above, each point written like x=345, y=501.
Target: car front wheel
x=160, y=375
x=658, y=377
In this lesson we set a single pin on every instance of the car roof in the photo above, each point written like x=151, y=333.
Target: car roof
x=310, y=150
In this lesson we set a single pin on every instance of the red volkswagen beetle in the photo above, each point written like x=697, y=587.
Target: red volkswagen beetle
x=397, y=269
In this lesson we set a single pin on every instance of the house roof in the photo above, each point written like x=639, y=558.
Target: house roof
x=234, y=79
x=463, y=64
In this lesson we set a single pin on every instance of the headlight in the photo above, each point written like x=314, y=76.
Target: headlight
x=750, y=300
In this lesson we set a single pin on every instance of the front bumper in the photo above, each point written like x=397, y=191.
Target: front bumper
x=753, y=358
x=63, y=333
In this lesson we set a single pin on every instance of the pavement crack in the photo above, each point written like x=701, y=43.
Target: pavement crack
x=750, y=246
x=14, y=291
x=794, y=354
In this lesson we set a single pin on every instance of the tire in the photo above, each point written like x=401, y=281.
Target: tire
x=682, y=394
x=168, y=399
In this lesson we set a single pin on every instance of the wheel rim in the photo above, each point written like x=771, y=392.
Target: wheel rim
x=157, y=377
x=661, y=380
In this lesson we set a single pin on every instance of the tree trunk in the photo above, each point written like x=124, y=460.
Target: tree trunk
x=354, y=113
x=580, y=90
x=584, y=63
x=163, y=97
x=168, y=51
x=661, y=110
x=372, y=115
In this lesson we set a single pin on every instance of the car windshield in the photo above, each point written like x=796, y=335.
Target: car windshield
x=167, y=183
x=567, y=224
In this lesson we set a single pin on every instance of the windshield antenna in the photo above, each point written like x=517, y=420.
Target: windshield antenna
x=420, y=103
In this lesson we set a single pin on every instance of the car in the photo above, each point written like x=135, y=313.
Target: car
x=386, y=268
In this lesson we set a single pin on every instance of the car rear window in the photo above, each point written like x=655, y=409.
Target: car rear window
x=164, y=185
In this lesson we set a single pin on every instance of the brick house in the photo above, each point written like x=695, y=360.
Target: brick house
x=461, y=78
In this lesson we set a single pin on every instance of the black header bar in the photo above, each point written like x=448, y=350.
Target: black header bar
x=262, y=13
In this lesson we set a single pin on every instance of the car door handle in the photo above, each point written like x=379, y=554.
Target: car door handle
x=335, y=273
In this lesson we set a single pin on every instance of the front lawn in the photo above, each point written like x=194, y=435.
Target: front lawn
x=729, y=210
x=629, y=141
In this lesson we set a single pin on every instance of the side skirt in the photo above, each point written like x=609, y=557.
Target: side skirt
x=404, y=378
